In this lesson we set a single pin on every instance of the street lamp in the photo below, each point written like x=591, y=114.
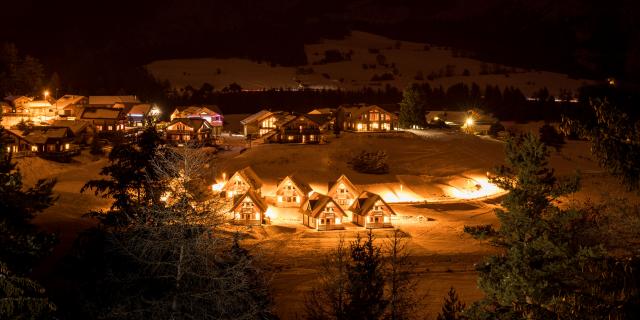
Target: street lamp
x=469, y=121
x=46, y=94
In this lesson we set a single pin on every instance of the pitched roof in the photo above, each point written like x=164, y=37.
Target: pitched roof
x=209, y=109
x=68, y=99
x=343, y=178
x=256, y=116
x=38, y=104
x=111, y=100
x=194, y=123
x=316, y=204
x=250, y=177
x=255, y=198
x=300, y=185
x=74, y=125
x=365, y=202
x=142, y=109
x=320, y=119
x=357, y=110
x=322, y=111
x=40, y=135
x=100, y=113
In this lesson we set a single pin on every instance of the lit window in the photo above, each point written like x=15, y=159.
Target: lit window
x=34, y=148
x=66, y=146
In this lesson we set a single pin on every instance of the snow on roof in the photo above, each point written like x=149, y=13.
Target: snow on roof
x=322, y=111
x=304, y=187
x=319, y=119
x=38, y=104
x=142, y=109
x=13, y=99
x=357, y=110
x=195, y=123
x=40, y=135
x=343, y=178
x=256, y=116
x=365, y=202
x=100, y=113
x=68, y=99
x=316, y=204
x=255, y=198
x=211, y=110
x=74, y=125
x=111, y=100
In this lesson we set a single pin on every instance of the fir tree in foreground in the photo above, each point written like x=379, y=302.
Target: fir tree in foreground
x=21, y=243
x=452, y=308
x=553, y=265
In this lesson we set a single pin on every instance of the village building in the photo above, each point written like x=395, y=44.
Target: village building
x=343, y=191
x=45, y=141
x=17, y=101
x=366, y=118
x=291, y=192
x=261, y=122
x=137, y=115
x=112, y=101
x=371, y=211
x=188, y=130
x=304, y=128
x=249, y=209
x=470, y=121
x=71, y=106
x=104, y=120
x=210, y=113
x=82, y=130
x=325, y=111
x=322, y=213
x=241, y=182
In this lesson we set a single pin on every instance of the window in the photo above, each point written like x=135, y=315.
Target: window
x=110, y=128
x=374, y=116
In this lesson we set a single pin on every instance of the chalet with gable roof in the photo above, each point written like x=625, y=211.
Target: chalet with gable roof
x=322, y=213
x=366, y=118
x=261, y=123
x=188, y=130
x=249, y=208
x=242, y=181
x=292, y=192
x=112, y=101
x=371, y=211
x=343, y=191
x=45, y=141
x=106, y=120
x=210, y=113
x=303, y=128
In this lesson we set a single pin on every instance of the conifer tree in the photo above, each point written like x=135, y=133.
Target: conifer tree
x=452, y=307
x=413, y=107
x=366, y=281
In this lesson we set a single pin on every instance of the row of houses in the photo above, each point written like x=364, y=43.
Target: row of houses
x=343, y=202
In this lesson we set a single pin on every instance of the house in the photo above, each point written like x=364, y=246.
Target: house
x=46, y=141
x=185, y=130
x=326, y=111
x=107, y=120
x=261, y=122
x=138, y=114
x=249, y=208
x=241, y=182
x=211, y=113
x=112, y=101
x=343, y=191
x=369, y=118
x=291, y=192
x=371, y=211
x=17, y=101
x=470, y=121
x=71, y=106
x=322, y=213
x=304, y=128
x=82, y=130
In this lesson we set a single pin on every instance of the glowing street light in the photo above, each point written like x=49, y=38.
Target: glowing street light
x=469, y=121
x=46, y=94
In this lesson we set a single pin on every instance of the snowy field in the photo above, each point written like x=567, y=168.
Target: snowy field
x=409, y=59
x=427, y=165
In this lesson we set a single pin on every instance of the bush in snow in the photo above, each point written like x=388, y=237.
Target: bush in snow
x=370, y=162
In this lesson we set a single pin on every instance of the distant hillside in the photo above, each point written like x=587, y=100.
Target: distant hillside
x=361, y=60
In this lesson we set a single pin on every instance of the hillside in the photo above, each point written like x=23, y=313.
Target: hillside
x=358, y=61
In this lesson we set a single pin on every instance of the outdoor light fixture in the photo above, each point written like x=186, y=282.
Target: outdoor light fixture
x=469, y=122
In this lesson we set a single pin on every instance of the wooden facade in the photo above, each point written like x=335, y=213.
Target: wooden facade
x=210, y=113
x=322, y=213
x=291, y=192
x=307, y=128
x=105, y=119
x=186, y=130
x=47, y=141
x=371, y=211
x=261, y=123
x=371, y=118
x=241, y=182
x=249, y=209
x=343, y=192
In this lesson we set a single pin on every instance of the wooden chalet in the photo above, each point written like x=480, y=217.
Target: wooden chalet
x=45, y=141
x=112, y=101
x=107, y=120
x=322, y=213
x=249, y=209
x=261, y=122
x=82, y=130
x=292, y=192
x=371, y=211
x=241, y=182
x=71, y=106
x=188, y=130
x=343, y=192
x=370, y=118
x=211, y=113
x=303, y=128
x=138, y=114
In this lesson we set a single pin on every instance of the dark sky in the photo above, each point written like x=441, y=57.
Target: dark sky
x=580, y=37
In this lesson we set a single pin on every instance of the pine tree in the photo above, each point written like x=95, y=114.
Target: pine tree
x=551, y=137
x=366, y=281
x=413, y=107
x=22, y=298
x=401, y=288
x=452, y=308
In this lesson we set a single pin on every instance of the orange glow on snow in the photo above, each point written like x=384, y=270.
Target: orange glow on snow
x=475, y=187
